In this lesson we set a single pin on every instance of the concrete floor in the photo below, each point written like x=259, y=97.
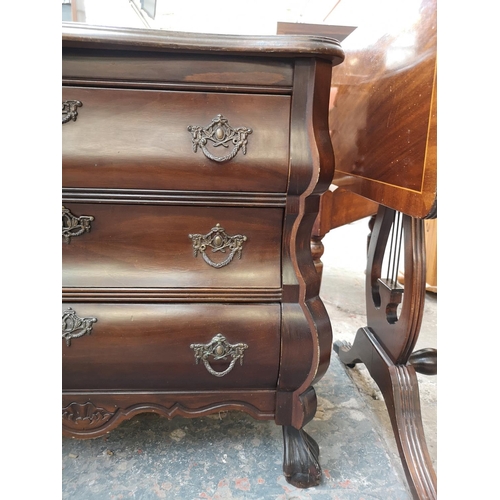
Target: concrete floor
x=232, y=456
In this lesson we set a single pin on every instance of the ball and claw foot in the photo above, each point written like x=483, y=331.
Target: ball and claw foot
x=301, y=458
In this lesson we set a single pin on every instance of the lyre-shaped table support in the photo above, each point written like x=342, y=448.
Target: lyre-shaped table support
x=386, y=344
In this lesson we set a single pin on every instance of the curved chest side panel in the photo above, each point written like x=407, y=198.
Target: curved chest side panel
x=306, y=333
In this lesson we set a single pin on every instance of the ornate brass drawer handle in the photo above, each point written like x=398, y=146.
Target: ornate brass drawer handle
x=220, y=133
x=69, y=111
x=218, y=241
x=74, y=226
x=219, y=348
x=74, y=327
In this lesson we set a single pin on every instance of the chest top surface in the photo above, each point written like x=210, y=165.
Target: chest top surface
x=81, y=35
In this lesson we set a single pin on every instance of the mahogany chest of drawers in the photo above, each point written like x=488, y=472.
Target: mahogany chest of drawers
x=192, y=167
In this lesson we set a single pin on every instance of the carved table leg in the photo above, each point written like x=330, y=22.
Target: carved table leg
x=301, y=458
x=301, y=466
x=317, y=250
x=399, y=386
x=424, y=361
x=385, y=346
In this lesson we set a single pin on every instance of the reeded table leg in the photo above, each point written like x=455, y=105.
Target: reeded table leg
x=399, y=386
x=386, y=344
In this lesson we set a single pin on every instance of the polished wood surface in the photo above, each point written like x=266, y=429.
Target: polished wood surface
x=172, y=71
x=92, y=414
x=129, y=267
x=383, y=128
x=85, y=36
x=147, y=347
x=149, y=246
x=383, y=111
x=430, y=257
x=340, y=207
x=140, y=139
x=386, y=344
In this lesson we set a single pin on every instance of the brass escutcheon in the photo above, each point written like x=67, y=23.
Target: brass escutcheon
x=219, y=348
x=73, y=225
x=218, y=241
x=74, y=327
x=69, y=111
x=219, y=133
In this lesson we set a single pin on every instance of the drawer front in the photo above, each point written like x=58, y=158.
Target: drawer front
x=140, y=139
x=161, y=347
x=155, y=68
x=162, y=246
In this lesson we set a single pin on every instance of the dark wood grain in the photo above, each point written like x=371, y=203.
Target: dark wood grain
x=171, y=294
x=399, y=386
x=340, y=207
x=140, y=139
x=147, y=347
x=149, y=246
x=150, y=69
x=383, y=127
x=171, y=197
x=306, y=342
x=80, y=35
x=383, y=112
x=385, y=345
x=95, y=413
x=129, y=164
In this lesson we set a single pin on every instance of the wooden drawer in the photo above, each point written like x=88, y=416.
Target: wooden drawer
x=149, y=246
x=140, y=139
x=139, y=68
x=150, y=347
